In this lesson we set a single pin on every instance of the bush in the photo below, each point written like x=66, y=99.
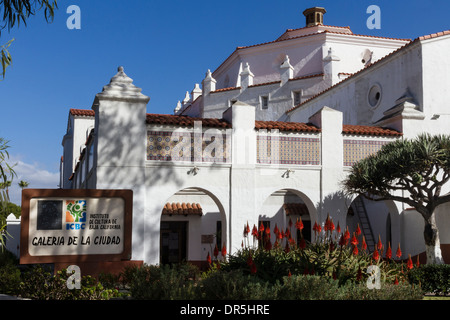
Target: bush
x=166, y=282
x=233, y=285
x=40, y=284
x=433, y=278
x=321, y=288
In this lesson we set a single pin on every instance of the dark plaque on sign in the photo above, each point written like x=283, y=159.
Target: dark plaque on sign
x=49, y=215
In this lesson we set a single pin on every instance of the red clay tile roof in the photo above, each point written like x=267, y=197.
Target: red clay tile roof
x=369, y=131
x=168, y=119
x=295, y=209
x=286, y=126
x=187, y=121
x=187, y=209
x=82, y=112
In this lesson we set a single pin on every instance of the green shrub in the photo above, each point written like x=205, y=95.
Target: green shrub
x=233, y=285
x=433, y=278
x=9, y=279
x=166, y=282
x=40, y=284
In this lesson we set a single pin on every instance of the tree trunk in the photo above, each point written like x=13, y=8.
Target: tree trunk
x=432, y=243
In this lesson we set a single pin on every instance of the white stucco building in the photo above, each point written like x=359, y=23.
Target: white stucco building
x=267, y=137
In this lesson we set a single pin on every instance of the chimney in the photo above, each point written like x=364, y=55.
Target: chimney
x=314, y=16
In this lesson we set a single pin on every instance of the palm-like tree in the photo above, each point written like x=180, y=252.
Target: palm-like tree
x=412, y=171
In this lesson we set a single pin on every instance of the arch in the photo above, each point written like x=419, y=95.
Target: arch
x=287, y=204
x=377, y=219
x=192, y=222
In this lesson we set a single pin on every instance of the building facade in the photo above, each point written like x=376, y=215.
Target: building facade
x=268, y=138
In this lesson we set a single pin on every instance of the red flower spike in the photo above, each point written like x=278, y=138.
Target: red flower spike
x=302, y=244
x=216, y=251
x=286, y=247
x=299, y=224
x=342, y=241
x=275, y=230
x=254, y=231
x=389, y=251
x=224, y=250
x=409, y=264
x=208, y=258
x=261, y=227
x=268, y=230
x=338, y=228
x=396, y=280
x=354, y=240
x=358, y=230
x=376, y=255
x=346, y=236
x=355, y=250
x=379, y=244
x=398, y=254
x=364, y=244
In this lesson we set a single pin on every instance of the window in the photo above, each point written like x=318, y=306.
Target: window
x=296, y=96
x=374, y=95
x=264, y=102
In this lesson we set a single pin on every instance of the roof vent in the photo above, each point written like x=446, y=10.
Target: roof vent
x=314, y=16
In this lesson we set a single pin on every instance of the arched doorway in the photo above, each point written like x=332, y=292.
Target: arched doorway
x=192, y=224
x=283, y=208
x=374, y=219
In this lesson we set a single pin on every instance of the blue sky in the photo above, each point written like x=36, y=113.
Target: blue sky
x=165, y=47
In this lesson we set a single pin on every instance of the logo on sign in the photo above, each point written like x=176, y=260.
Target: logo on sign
x=75, y=214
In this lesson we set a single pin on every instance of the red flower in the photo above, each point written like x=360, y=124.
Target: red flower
x=398, y=254
x=275, y=230
x=396, y=280
x=389, y=251
x=254, y=231
x=354, y=240
x=299, y=224
x=216, y=251
x=287, y=248
x=358, y=230
x=268, y=245
x=364, y=244
x=224, y=250
x=268, y=231
x=287, y=234
x=208, y=258
x=379, y=244
x=253, y=268
x=302, y=244
x=342, y=241
x=261, y=227
x=329, y=225
x=317, y=228
x=355, y=250
x=246, y=230
x=346, y=236
x=376, y=255
x=409, y=264
x=338, y=228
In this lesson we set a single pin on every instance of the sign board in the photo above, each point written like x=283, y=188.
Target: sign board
x=75, y=225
